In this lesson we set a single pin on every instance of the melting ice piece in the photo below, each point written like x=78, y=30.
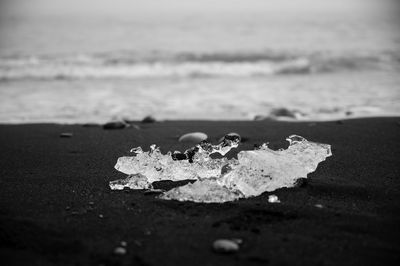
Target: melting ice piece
x=221, y=180
x=194, y=163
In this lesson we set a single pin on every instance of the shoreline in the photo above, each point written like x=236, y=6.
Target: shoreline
x=261, y=120
x=282, y=115
x=57, y=209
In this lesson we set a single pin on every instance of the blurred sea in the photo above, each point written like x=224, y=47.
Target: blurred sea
x=230, y=63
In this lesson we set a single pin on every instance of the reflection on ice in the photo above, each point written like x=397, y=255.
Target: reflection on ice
x=207, y=190
x=221, y=180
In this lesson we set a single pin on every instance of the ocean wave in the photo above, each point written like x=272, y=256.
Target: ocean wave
x=152, y=70
x=130, y=65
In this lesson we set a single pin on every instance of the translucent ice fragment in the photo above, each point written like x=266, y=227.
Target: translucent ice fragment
x=157, y=167
x=194, y=163
x=207, y=191
x=221, y=180
x=137, y=181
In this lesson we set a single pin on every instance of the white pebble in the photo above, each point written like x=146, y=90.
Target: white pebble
x=194, y=137
x=319, y=206
x=123, y=244
x=273, y=199
x=225, y=246
x=120, y=251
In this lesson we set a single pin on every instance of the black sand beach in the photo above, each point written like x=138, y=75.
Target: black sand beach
x=56, y=207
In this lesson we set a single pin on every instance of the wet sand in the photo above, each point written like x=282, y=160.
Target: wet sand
x=56, y=207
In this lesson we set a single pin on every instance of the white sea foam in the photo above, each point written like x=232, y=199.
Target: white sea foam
x=312, y=97
x=132, y=66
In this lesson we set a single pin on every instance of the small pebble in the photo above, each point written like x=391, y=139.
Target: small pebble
x=148, y=119
x=194, y=137
x=319, y=206
x=66, y=135
x=115, y=125
x=273, y=199
x=101, y=216
x=123, y=244
x=120, y=251
x=90, y=125
x=225, y=246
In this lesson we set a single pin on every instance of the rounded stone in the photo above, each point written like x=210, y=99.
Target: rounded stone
x=148, y=119
x=120, y=251
x=115, y=125
x=273, y=199
x=193, y=137
x=225, y=246
x=66, y=135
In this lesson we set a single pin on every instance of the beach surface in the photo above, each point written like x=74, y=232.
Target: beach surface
x=56, y=207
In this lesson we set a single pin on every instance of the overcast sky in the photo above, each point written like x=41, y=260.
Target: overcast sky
x=176, y=7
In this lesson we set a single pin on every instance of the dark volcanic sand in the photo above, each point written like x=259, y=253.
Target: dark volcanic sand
x=53, y=192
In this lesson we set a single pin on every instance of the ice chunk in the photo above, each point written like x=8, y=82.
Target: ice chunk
x=194, y=163
x=221, y=180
